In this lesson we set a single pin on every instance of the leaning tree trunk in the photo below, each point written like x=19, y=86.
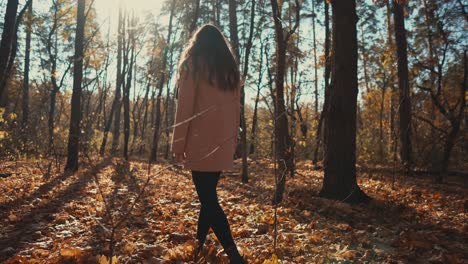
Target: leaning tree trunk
x=340, y=142
x=6, y=43
x=74, y=132
x=403, y=83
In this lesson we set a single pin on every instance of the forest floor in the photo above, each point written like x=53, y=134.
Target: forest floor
x=48, y=217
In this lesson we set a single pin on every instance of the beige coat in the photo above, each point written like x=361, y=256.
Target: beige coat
x=206, y=124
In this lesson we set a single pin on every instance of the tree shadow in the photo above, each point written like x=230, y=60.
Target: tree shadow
x=122, y=176
x=396, y=227
x=399, y=229
x=23, y=231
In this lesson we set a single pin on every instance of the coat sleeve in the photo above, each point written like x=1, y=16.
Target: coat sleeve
x=184, y=112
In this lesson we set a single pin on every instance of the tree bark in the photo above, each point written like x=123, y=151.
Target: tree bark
x=327, y=74
x=340, y=145
x=196, y=14
x=6, y=43
x=314, y=39
x=235, y=40
x=27, y=55
x=74, y=131
x=126, y=89
x=433, y=79
x=282, y=143
x=120, y=81
x=381, y=130
x=257, y=99
x=403, y=83
x=162, y=81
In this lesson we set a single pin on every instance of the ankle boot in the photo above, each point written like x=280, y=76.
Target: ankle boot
x=234, y=256
x=197, y=250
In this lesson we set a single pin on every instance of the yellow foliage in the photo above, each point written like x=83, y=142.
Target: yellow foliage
x=273, y=260
x=103, y=260
x=12, y=116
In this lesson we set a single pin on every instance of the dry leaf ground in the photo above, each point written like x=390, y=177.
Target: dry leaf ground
x=61, y=218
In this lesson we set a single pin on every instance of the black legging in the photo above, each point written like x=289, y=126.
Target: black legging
x=211, y=213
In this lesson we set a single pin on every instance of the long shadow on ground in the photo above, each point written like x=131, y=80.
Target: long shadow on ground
x=22, y=231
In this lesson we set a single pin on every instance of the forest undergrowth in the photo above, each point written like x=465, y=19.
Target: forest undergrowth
x=111, y=207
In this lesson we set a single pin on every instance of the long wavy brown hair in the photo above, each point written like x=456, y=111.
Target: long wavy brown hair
x=210, y=57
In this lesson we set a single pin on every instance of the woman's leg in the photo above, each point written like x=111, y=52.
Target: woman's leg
x=204, y=185
x=211, y=213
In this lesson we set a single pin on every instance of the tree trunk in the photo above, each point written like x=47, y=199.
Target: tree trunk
x=27, y=55
x=74, y=132
x=257, y=99
x=280, y=116
x=340, y=142
x=50, y=121
x=314, y=39
x=393, y=100
x=235, y=40
x=107, y=126
x=403, y=83
x=455, y=121
x=381, y=130
x=196, y=14
x=169, y=106
x=433, y=77
x=364, y=61
x=327, y=74
x=120, y=81
x=6, y=43
x=162, y=81
x=126, y=90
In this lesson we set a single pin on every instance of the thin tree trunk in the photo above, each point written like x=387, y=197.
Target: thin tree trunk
x=74, y=132
x=50, y=121
x=327, y=74
x=169, y=104
x=393, y=100
x=340, y=145
x=120, y=81
x=315, y=58
x=235, y=40
x=403, y=83
x=364, y=61
x=433, y=77
x=162, y=81
x=127, y=87
x=282, y=143
x=257, y=99
x=381, y=130
x=196, y=14
x=27, y=55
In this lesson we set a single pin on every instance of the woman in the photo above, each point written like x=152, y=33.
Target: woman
x=206, y=127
